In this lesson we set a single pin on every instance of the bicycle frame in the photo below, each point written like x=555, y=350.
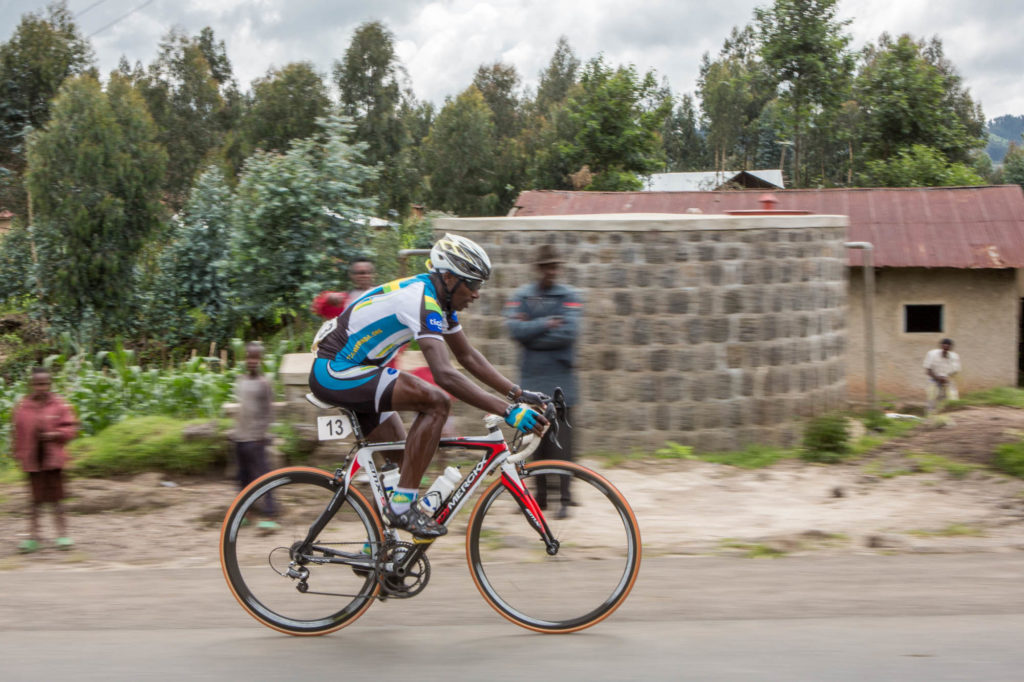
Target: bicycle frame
x=496, y=455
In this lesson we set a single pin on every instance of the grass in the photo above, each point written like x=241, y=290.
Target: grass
x=923, y=463
x=952, y=530
x=142, y=444
x=1010, y=458
x=928, y=463
x=751, y=457
x=886, y=430
x=753, y=550
x=1002, y=396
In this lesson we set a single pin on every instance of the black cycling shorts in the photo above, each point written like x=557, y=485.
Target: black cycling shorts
x=364, y=389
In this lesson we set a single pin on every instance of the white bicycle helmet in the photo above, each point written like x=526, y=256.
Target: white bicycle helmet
x=461, y=257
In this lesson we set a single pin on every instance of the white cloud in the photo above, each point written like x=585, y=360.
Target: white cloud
x=442, y=42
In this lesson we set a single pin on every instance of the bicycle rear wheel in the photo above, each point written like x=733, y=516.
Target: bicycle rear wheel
x=593, y=571
x=256, y=556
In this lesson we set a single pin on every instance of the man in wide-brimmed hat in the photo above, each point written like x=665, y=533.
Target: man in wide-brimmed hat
x=544, y=317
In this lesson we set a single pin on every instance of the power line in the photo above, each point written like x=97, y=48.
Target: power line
x=120, y=18
x=98, y=2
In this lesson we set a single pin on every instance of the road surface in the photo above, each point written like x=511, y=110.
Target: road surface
x=907, y=617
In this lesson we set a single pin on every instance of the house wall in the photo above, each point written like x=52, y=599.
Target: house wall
x=711, y=331
x=980, y=313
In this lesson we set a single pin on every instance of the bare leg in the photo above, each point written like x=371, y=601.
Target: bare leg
x=33, y=521
x=58, y=515
x=432, y=406
x=389, y=430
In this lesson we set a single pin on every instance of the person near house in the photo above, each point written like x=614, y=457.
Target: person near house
x=255, y=398
x=353, y=349
x=363, y=273
x=941, y=365
x=43, y=425
x=543, y=318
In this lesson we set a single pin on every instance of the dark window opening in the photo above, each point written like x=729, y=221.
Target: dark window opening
x=922, y=319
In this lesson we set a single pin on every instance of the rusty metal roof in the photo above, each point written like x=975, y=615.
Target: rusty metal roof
x=928, y=227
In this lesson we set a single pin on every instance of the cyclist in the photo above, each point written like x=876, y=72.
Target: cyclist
x=353, y=349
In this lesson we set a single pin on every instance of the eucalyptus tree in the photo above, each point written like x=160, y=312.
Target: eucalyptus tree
x=285, y=105
x=94, y=171
x=804, y=47
x=294, y=215
x=684, y=144
x=370, y=79
x=460, y=157
x=193, y=98
x=46, y=48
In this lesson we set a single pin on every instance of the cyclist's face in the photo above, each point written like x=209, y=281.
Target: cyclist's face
x=462, y=295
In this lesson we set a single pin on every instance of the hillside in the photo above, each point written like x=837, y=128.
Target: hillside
x=1001, y=132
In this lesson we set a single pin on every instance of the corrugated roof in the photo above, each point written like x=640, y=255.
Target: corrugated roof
x=706, y=181
x=929, y=227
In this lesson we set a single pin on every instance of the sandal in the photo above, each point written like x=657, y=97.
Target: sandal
x=64, y=543
x=28, y=546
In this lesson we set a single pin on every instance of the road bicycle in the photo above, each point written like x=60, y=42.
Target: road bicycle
x=333, y=556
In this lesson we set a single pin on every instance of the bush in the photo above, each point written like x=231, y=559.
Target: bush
x=1010, y=458
x=141, y=444
x=826, y=439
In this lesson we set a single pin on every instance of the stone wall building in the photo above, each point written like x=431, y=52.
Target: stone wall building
x=714, y=331
x=947, y=261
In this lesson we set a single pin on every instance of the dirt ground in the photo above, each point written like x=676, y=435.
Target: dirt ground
x=882, y=502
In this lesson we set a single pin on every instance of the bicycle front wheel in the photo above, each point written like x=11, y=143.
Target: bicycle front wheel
x=585, y=581
x=264, y=526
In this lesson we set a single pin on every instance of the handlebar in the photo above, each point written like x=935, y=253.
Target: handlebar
x=554, y=410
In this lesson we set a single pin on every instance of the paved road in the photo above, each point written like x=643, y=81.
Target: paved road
x=934, y=618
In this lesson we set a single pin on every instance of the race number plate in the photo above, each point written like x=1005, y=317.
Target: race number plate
x=333, y=427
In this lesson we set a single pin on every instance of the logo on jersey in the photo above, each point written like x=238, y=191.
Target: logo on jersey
x=435, y=322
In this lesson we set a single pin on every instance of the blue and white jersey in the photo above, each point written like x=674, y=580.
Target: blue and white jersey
x=373, y=329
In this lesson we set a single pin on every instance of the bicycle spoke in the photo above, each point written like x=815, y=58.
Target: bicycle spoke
x=589, y=576
x=312, y=593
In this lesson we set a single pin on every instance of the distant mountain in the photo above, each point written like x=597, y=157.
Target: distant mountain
x=1001, y=132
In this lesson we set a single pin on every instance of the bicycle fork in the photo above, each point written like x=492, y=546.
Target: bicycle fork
x=528, y=504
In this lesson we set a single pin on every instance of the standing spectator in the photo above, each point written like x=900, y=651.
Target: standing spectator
x=543, y=317
x=941, y=365
x=43, y=424
x=255, y=398
x=330, y=304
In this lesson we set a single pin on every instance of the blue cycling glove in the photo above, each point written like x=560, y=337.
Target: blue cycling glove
x=521, y=418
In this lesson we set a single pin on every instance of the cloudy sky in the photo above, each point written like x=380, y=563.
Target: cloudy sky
x=441, y=43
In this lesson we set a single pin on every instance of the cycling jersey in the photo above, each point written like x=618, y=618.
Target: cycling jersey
x=371, y=331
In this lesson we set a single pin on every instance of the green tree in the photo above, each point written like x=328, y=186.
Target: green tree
x=804, y=48
x=1013, y=165
x=285, y=105
x=910, y=95
x=918, y=166
x=45, y=49
x=369, y=81
x=193, y=99
x=186, y=299
x=292, y=216
x=94, y=171
x=499, y=85
x=684, y=145
x=734, y=89
x=547, y=127
x=558, y=78
x=17, y=277
x=617, y=115
x=460, y=157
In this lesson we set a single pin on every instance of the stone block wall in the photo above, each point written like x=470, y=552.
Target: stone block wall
x=715, y=331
